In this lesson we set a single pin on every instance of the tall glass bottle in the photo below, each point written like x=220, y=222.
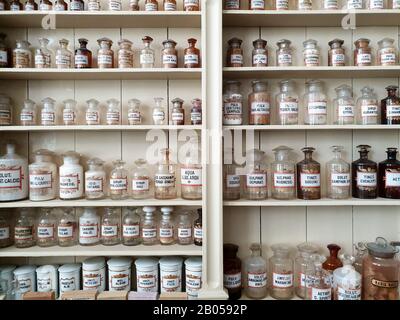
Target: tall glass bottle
x=318, y=280
x=43, y=56
x=256, y=175
x=281, y=273
x=368, y=110
x=332, y=262
x=259, y=104
x=315, y=103
x=389, y=175
x=83, y=56
x=346, y=281
x=141, y=181
x=232, y=178
x=67, y=228
x=191, y=172
x=147, y=54
x=111, y=227
x=233, y=103
x=166, y=227
x=46, y=229
x=165, y=177
x=28, y=116
x=24, y=230
x=303, y=265
x=344, y=105
x=287, y=104
x=119, y=181
x=105, y=55
x=338, y=175
x=308, y=177
x=130, y=226
x=283, y=174
x=192, y=55
x=158, y=111
x=149, y=227
x=364, y=175
x=255, y=274
x=390, y=107
x=232, y=271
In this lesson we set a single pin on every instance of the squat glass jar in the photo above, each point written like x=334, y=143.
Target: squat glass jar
x=111, y=227
x=344, y=105
x=281, y=273
x=149, y=227
x=89, y=227
x=48, y=114
x=308, y=177
x=178, y=112
x=284, y=53
x=113, y=115
x=134, y=115
x=185, y=228
x=158, y=111
x=362, y=53
x=338, y=175
x=336, y=53
x=364, y=175
x=260, y=53
x=315, y=103
x=287, y=104
x=303, y=265
x=311, y=53
x=169, y=54
x=196, y=112
x=233, y=103
x=92, y=115
x=119, y=181
x=255, y=274
x=95, y=178
x=141, y=181
x=69, y=112
x=105, y=55
x=368, y=109
x=259, y=104
x=387, y=53
x=234, y=55
x=283, y=174
x=166, y=227
x=256, y=175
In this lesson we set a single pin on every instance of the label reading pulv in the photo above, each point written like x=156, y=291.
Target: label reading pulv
x=232, y=280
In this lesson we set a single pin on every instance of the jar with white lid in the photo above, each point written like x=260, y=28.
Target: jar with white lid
x=71, y=177
x=7, y=280
x=47, y=279
x=147, y=274
x=89, y=227
x=27, y=116
x=113, y=115
x=43, y=176
x=171, y=274
x=119, y=274
x=25, y=277
x=6, y=114
x=69, y=276
x=69, y=112
x=48, y=113
x=94, y=274
x=95, y=178
x=193, y=271
x=92, y=112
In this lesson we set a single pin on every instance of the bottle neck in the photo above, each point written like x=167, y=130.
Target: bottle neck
x=308, y=155
x=363, y=155
x=256, y=253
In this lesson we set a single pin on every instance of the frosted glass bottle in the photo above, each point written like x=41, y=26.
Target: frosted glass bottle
x=283, y=174
x=346, y=281
x=255, y=274
x=158, y=111
x=344, y=105
x=141, y=181
x=315, y=104
x=130, y=226
x=256, y=175
x=89, y=227
x=338, y=175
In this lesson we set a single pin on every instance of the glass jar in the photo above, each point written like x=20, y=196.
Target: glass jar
x=83, y=56
x=67, y=228
x=149, y=227
x=134, y=115
x=368, y=110
x=191, y=5
x=338, y=176
x=178, y=112
x=113, y=116
x=346, y=281
x=77, y=5
x=147, y=54
x=287, y=104
x=387, y=53
x=232, y=271
x=330, y=5
x=111, y=227
x=48, y=114
x=256, y=175
x=233, y=103
x=318, y=280
x=308, y=177
x=198, y=229
x=364, y=175
x=141, y=180
x=125, y=54
x=362, y=53
x=16, y=5
x=260, y=53
x=256, y=5
x=376, y=4
x=92, y=115
x=184, y=227
x=60, y=5
x=303, y=265
x=69, y=112
x=281, y=4
x=389, y=176
x=165, y=177
x=196, y=112
x=380, y=272
x=315, y=102
x=46, y=229
x=64, y=57
x=24, y=229
x=332, y=262
x=192, y=55
x=6, y=110
x=105, y=55
x=4, y=52
x=259, y=104
x=283, y=174
x=4, y=5
x=191, y=171
x=119, y=181
x=344, y=105
x=42, y=176
x=336, y=53
x=115, y=5
x=151, y=5
x=89, y=227
x=395, y=4
x=43, y=56
x=94, y=5
x=390, y=107
x=360, y=252
x=158, y=111
x=234, y=55
x=311, y=53
x=130, y=226
x=355, y=4
x=166, y=227
x=284, y=53
x=22, y=56
x=45, y=5
x=304, y=4
x=255, y=274
x=169, y=54
x=95, y=178
x=231, y=177
x=281, y=273
x=6, y=232
x=232, y=5
x=71, y=177
x=134, y=5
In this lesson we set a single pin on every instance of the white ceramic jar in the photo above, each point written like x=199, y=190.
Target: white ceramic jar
x=94, y=274
x=193, y=268
x=147, y=274
x=47, y=279
x=69, y=277
x=119, y=274
x=25, y=277
x=71, y=177
x=171, y=274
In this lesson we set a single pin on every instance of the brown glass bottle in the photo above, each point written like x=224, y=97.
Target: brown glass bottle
x=83, y=56
x=232, y=271
x=45, y=5
x=389, y=175
x=332, y=262
x=234, y=55
x=30, y=5
x=60, y=5
x=198, y=229
x=15, y=5
x=364, y=175
x=4, y=5
x=390, y=107
x=5, y=52
x=308, y=177
x=192, y=55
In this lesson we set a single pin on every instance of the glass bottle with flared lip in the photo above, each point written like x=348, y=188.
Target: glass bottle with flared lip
x=48, y=113
x=92, y=115
x=283, y=171
x=338, y=176
x=69, y=112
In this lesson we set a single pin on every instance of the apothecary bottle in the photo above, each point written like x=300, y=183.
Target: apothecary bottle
x=43, y=176
x=255, y=274
x=147, y=54
x=130, y=226
x=344, y=105
x=284, y=53
x=330, y=5
x=355, y=4
x=94, y=5
x=151, y=5
x=64, y=57
x=303, y=265
x=16, y=5
x=389, y=175
x=45, y=5
x=83, y=56
x=111, y=227
x=169, y=54
x=134, y=115
x=281, y=272
x=158, y=111
x=125, y=54
x=318, y=280
x=71, y=177
x=48, y=116
x=148, y=227
x=315, y=103
x=119, y=181
x=287, y=104
x=113, y=115
x=69, y=112
x=256, y=175
x=256, y=4
x=184, y=228
x=169, y=5
x=24, y=230
x=196, y=112
x=360, y=250
x=77, y=5
x=260, y=53
x=6, y=110
x=22, y=56
x=232, y=5
x=95, y=179
x=380, y=272
x=92, y=115
x=60, y=5
x=259, y=104
x=390, y=107
x=332, y=261
x=308, y=177
x=89, y=227
x=192, y=55
x=387, y=53
x=231, y=177
x=198, y=228
x=166, y=227
x=4, y=5
x=234, y=55
x=178, y=112
x=283, y=174
x=362, y=53
x=368, y=109
x=43, y=56
x=141, y=180
x=376, y=4
x=6, y=229
x=281, y=4
x=115, y=5
x=311, y=53
x=232, y=271
x=233, y=103
x=67, y=228
x=191, y=171
x=338, y=176
x=191, y=5
x=304, y=4
x=46, y=228
x=364, y=175
x=395, y=4
x=165, y=177
x=346, y=281
x=4, y=52
x=105, y=55
x=336, y=53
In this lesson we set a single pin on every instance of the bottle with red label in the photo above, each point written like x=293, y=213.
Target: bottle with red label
x=308, y=177
x=46, y=228
x=281, y=273
x=130, y=226
x=43, y=176
x=318, y=280
x=111, y=227
x=303, y=264
x=283, y=174
x=232, y=271
x=24, y=229
x=256, y=175
x=389, y=175
x=255, y=274
x=364, y=175
x=141, y=181
x=191, y=171
x=390, y=107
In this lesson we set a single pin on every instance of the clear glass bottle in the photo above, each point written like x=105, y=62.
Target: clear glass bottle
x=304, y=4
x=259, y=104
x=330, y=5
x=141, y=180
x=389, y=175
x=338, y=176
x=256, y=175
x=147, y=56
x=45, y=5
x=22, y=56
x=6, y=230
x=71, y=177
x=119, y=181
x=149, y=227
x=130, y=226
x=303, y=265
x=43, y=176
x=260, y=53
x=281, y=273
x=169, y=54
x=4, y=51
x=232, y=5
x=77, y=5
x=387, y=53
x=113, y=115
x=254, y=274
x=48, y=114
x=166, y=227
x=92, y=115
x=308, y=177
x=177, y=112
x=111, y=227
x=287, y=104
x=192, y=58
x=336, y=53
x=69, y=112
x=125, y=54
x=151, y=5
x=43, y=56
x=198, y=228
x=105, y=55
x=83, y=56
x=169, y=5
x=318, y=280
x=16, y=5
x=196, y=112
x=364, y=175
x=368, y=109
x=234, y=55
x=360, y=250
x=315, y=103
x=283, y=172
x=390, y=106
x=232, y=180
x=64, y=57
x=24, y=229
x=67, y=228
x=184, y=227
x=191, y=5
x=89, y=227
x=355, y=4
x=284, y=53
x=344, y=105
x=60, y=5
x=115, y=5
x=6, y=110
x=191, y=171
x=46, y=228
x=158, y=111
x=376, y=4
x=134, y=115
x=165, y=177
x=94, y=5
x=95, y=179
x=311, y=53
x=362, y=53
x=232, y=271
x=281, y=4
x=256, y=4
x=346, y=281
x=233, y=103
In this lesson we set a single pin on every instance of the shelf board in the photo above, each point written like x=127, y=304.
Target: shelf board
x=313, y=127
x=100, y=74
x=314, y=18
x=100, y=250
x=99, y=203
x=99, y=128
x=102, y=19
x=312, y=203
x=312, y=72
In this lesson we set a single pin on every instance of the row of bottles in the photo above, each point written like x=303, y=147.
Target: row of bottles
x=135, y=226
x=316, y=105
x=49, y=115
x=363, y=178
x=371, y=275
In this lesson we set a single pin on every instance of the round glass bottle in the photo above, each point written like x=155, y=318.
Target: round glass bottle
x=105, y=55
x=260, y=53
x=43, y=56
x=191, y=172
x=71, y=177
x=231, y=177
x=130, y=226
x=364, y=175
x=111, y=227
x=255, y=274
x=83, y=56
x=390, y=107
x=95, y=178
x=234, y=55
x=149, y=227
x=22, y=56
x=24, y=230
x=89, y=227
x=389, y=175
x=43, y=176
x=344, y=105
x=233, y=103
x=48, y=114
x=284, y=53
x=232, y=271
x=259, y=104
x=281, y=273
x=92, y=115
x=134, y=115
x=166, y=227
x=192, y=55
x=308, y=177
x=177, y=112
x=125, y=54
x=147, y=54
x=315, y=103
x=303, y=265
x=169, y=54
x=158, y=111
x=318, y=280
x=113, y=116
x=165, y=177
x=311, y=53
x=184, y=227
x=287, y=104
x=64, y=57
x=46, y=229
x=69, y=112
x=362, y=53
x=141, y=181
x=283, y=174
x=256, y=175
x=338, y=176
x=368, y=110
x=336, y=53
x=67, y=228
x=27, y=116
x=387, y=53
x=119, y=181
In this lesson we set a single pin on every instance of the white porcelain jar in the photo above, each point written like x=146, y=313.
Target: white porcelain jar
x=119, y=274
x=94, y=274
x=193, y=267
x=69, y=276
x=25, y=277
x=71, y=177
x=171, y=274
x=147, y=274
x=47, y=279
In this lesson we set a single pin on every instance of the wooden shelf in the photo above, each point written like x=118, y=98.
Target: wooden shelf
x=313, y=127
x=99, y=128
x=100, y=74
x=100, y=250
x=102, y=19
x=314, y=18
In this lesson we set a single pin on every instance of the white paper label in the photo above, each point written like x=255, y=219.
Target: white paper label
x=184, y=232
x=170, y=59
x=364, y=58
x=112, y=116
x=284, y=58
x=23, y=233
x=26, y=116
x=232, y=181
x=288, y=108
x=232, y=4
x=369, y=111
x=236, y=59
x=198, y=233
x=146, y=58
x=256, y=280
x=2, y=6
x=4, y=233
x=311, y=57
x=140, y=184
x=232, y=280
x=338, y=58
x=3, y=57
x=91, y=282
x=349, y=294
x=68, y=284
x=330, y=4
x=40, y=181
x=40, y=60
x=172, y=284
x=256, y=180
x=321, y=294
x=76, y=6
x=68, y=183
x=260, y=59
x=346, y=111
x=191, y=177
x=104, y=59
x=65, y=232
x=44, y=284
x=92, y=116
x=45, y=232
x=59, y=7
x=340, y=179
x=119, y=184
x=62, y=60
x=282, y=4
x=109, y=231
x=257, y=4
x=120, y=282
x=283, y=180
x=158, y=115
x=93, y=6
x=393, y=110
x=260, y=108
x=310, y=180
x=191, y=59
x=232, y=108
x=164, y=180
x=282, y=280
x=365, y=179
x=177, y=116
x=130, y=231
x=392, y=179
x=146, y=281
x=166, y=232
x=48, y=116
x=94, y=185
x=150, y=7
x=388, y=58
x=195, y=116
x=169, y=6
x=317, y=108
x=305, y=5
x=134, y=116
x=11, y=178
x=5, y=115
x=376, y=4
x=24, y=284
x=115, y=5
x=81, y=59
x=88, y=230
x=149, y=233
x=354, y=4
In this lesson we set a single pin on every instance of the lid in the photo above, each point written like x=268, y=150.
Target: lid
x=344, y=89
x=381, y=248
x=70, y=267
x=307, y=149
x=70, y=103
x=63, y=41
x=347, y=260
x=167, y=210
x=340, y=41
x=310, y=41
x=95, y=162
x=112, y=102
x=29, y=103
x=318, y=259
x=192, y=40
x=230, y=248
x=255, y=247
x=92, y=102
x=385, y=40
x=391, y=150
x=94, y=263
x=147, y=39
x=170, y=262
x=313, y=83
x=283, y=41
x=146, y=263
x=149, y=209
x=118, y=163
x=125, y=41
x=233, y=82
x=286, y=82
x=119, y=262
x=308, y=247
x=337, y=148
x=7, y=268
x=392, y=87
x=280, y=248
x=177, y=101
x=46, y=269
x=43, y=153
x=134, y=102
x=363, y=148
x=362, y=40
x=43, y=41
x=24, y=270
x=193, y=263
x=259, y=82
x=260, y=41
x=169, y=41
x=70, y=155
x=235, y=40
x=282, y=149
x=83, y=40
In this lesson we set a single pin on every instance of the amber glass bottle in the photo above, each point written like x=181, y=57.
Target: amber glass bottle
x=364, y=175
x=390, y=107
x=232, y=271
x=389, y=176
x=192, y=55
x=308, y=177
x=332, y=262
x=83, y=56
